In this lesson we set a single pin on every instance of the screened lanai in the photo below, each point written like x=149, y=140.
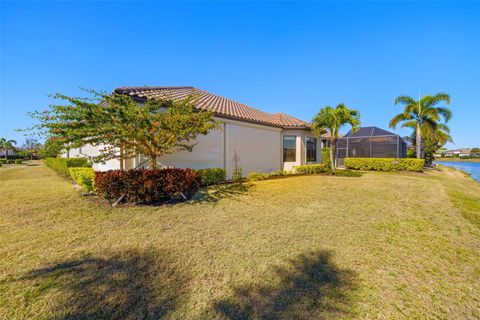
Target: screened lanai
x=370, y=142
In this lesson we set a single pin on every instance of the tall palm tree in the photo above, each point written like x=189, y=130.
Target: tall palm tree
x=433, y=138
x=7, y=144
x=423, y=112
x=330, y=120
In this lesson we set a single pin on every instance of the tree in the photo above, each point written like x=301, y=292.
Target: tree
x=420, y=114
x=51, y=148
x=330, y=120
x=434, y=138
x=30, y=148
x=123, y=126
x=6, y=145
x=475, y=151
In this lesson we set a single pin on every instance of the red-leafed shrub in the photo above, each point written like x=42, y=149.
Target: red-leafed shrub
x=147, y=186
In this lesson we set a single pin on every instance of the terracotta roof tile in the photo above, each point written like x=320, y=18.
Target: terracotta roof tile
x=221, y=106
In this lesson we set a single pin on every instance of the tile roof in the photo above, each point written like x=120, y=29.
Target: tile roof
x=222, y=107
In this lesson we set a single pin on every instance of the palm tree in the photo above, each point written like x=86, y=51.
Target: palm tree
x=330, y=120
x=419, y=114
x=433, y=138
x=7, y=144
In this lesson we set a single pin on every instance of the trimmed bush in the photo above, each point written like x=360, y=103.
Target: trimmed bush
x=61, y=165
x=84, y=177
x=256, y=176
x=312, y=169
x=212, y=176
x=385, y=164
x=3, y=161
x=147, y=186
x=18, y=161
x=347, y=173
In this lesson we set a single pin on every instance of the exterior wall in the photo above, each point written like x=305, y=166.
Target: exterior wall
x=258, y=148
x=92, y=151
x=301, y=154
x=207, y=153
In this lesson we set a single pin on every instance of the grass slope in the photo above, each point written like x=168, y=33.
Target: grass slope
x=382, y=246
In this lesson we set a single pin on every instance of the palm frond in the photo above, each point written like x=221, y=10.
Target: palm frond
x=404, y=100
x=399, y=118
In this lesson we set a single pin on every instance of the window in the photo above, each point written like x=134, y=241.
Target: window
x=311, y=149
x=289, y=148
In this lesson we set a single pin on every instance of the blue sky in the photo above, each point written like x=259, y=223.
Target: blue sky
x=275, y=56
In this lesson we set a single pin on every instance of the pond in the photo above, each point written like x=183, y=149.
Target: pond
x=473, y=168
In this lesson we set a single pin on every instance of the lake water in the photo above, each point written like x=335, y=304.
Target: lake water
x=471, y=167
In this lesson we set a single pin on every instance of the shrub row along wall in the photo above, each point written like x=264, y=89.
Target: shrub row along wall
x=385, y=164
x=84, y=177
x=147, y=186
x=61, y=165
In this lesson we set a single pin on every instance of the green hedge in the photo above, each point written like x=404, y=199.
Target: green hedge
x=347, y=173
x=18, y=161
x=385, y=164
x=212, y=176
x=3, y=161
x=312, y=169
x=84, y=177
x=61, y=165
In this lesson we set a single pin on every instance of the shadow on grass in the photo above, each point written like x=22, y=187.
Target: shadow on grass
x=131, y=285
x=216, y=193
x=310, y=288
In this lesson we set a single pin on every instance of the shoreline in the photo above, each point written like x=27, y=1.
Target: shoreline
x=456, y=160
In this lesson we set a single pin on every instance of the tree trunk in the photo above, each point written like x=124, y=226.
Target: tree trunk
x=419, y=141
x=153, y=161
x=332, y=162
x=6, y=154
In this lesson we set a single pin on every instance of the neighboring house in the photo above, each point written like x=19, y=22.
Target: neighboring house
x=370, y=142
x=462, y=152
x=11, y=152
x=259, y=141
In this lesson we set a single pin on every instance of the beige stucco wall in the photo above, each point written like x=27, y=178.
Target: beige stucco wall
x=258, y=148
x=207, y=153
x=301, y=154
x=88, y=151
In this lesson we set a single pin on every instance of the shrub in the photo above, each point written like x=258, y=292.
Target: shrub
x=3, y=161
x=84, y=177
x=1, y=164
x=280, y=173
x=385, y=164
x=255, y=176
x=147, y=186
x=212, y=176
x=18, y=161
x=312, y=169
x=326, y=159
x=347, y=173
x=61, y=165
x=10, y=161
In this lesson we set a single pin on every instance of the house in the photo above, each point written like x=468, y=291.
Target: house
x=10, y=152
x=370, y=142
x=257, y=141
x=462, y=152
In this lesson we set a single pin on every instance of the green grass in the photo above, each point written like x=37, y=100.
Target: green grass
x=380, y=246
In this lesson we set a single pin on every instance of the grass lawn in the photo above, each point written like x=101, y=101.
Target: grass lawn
x=382, y=246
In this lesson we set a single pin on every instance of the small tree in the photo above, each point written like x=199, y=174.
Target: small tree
x=51, y=148
x=330, y=120
x=474, y=152
x=124, y=126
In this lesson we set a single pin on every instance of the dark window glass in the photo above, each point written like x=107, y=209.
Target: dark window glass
x=289, y=148
x=311, y=149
